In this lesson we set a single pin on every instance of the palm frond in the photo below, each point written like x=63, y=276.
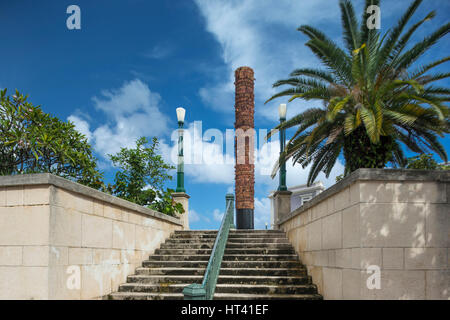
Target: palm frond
x=314, y=73
x=395, y=33
x=349, y=25
x=409, y=57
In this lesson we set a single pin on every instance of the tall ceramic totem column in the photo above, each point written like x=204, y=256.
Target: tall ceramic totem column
x=244, y=147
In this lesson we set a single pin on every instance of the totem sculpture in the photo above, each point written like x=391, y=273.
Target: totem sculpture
x=244, y=147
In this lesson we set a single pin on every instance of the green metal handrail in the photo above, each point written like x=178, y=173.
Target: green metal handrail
x=205, y=290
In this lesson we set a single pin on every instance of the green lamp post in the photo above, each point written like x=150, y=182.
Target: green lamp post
x=181, y=112
x=282, y=113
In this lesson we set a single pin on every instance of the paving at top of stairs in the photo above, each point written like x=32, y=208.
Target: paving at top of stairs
x=257, y=264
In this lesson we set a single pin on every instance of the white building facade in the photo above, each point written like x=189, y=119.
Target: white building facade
x=300, y=195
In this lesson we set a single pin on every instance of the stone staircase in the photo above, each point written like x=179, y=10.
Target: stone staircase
x=258, y=264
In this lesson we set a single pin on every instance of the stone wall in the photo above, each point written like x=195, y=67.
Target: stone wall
x=62, y=240
x=397, y=220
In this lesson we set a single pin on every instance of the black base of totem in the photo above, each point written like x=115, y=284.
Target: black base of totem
x=244, y=219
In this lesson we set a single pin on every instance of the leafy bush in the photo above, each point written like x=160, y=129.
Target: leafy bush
x=141, y=177
x=33, y=141
x=425, y=162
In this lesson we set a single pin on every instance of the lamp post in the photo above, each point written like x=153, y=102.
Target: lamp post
x=282, y=113
x=181, y=112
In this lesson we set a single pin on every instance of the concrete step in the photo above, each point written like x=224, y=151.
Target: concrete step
x=232, y=231
x=256, y=245
x=226, y=257
x=171, y=271
x=246, y=296
x=231, y=236
x=230, y=245
x=227, y=251
x=164, y=279
x=144, y=296
x=258, y=264
x=266, y=289
x=217, y=296
x=283, y=272
x=153, y=288
x=230, y=240
x=225, y=264
x=221, y=288
x=223, y=279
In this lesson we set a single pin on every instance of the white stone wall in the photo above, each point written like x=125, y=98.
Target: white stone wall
x=50, y=234
x=400, y=226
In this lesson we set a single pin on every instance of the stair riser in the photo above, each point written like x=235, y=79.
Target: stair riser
x=257, y=281
x=250, y=245
x=231, y=257
x=231, y=232
x=309, y=289
x=228, y=246
x=230, y=240
x=231, y=236
x=268, y=297
x=174, y=264
x=262, y=257
x=266, y=272
x=228, y=251
x=164, y=280
x=130, y=287
x=221, y=280
x=225, y=264
x=225, y=272
x=145, y=297
x=171, y=272
x=216, y=297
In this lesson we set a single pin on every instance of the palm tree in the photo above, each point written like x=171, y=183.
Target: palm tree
x=373, y=100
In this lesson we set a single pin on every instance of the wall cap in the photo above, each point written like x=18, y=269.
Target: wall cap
x=180, y=195
x=51, y=179
x=389, y=175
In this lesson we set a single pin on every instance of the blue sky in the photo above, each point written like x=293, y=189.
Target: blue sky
x=134, y=62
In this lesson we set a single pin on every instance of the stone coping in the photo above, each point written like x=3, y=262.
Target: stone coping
x=372, y=175
x=50, y=179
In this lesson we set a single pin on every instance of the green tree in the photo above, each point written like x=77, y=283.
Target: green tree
x=33, y=141
x=141, y=177
x=425, y=162
x=374, y=101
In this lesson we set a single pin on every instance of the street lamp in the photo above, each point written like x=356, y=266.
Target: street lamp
x=181, y=112
x=282, y=113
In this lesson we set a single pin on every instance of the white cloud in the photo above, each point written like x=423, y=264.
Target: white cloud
x=262, y=213
x=295, y=175
x=212, y=160
x=81, y=125
x=204, y=158
x=217, y=215
x=193, y=216
x=131, y=111
x=159, y=51
x=260, y=34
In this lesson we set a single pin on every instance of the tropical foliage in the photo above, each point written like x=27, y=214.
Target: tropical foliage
x=425, y=162
x=375, y=98
x=141, y=175
x=33, y=141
